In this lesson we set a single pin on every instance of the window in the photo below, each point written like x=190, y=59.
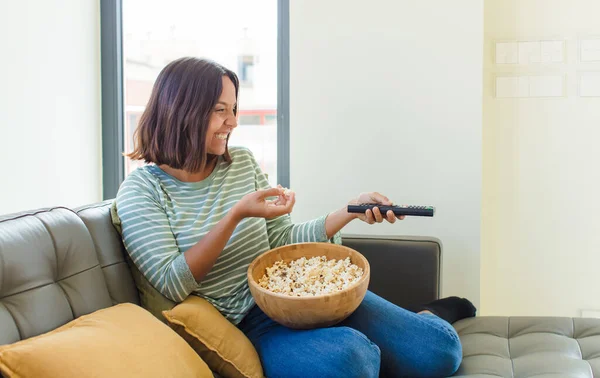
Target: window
x=244, y=35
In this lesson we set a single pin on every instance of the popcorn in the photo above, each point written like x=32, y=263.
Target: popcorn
x=286, y=192
x=310, y=277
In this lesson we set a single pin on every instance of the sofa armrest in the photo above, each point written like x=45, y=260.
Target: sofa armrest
x=405, y=270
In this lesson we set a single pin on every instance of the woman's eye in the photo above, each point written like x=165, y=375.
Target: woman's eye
x=220, y=110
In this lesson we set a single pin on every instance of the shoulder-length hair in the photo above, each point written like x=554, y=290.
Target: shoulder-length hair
x=172, y=128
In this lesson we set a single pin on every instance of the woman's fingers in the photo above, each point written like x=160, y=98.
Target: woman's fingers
x=272, y=192
x=390, y=216
x=291, y=201
x=280, y=206
x=377, y=214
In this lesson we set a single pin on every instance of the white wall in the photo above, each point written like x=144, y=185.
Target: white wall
x=386, y=96
x=541, y=180
x=50, y=136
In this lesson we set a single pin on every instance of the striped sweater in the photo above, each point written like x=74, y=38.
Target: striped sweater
x=161, y=217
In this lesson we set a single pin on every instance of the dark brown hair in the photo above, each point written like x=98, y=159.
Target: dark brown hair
x=172, y=128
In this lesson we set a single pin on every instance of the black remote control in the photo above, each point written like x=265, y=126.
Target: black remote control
x=419, y=211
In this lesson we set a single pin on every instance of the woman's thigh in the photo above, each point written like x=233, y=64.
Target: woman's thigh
x=411, y=345
x=321, y=353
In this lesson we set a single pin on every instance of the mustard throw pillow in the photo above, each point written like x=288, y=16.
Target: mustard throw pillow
x=120, y=341
x=220, y=343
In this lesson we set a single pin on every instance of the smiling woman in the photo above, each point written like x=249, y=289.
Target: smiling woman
x=178, y=140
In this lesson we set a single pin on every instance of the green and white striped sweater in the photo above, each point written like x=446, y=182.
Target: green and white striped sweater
x=161, y=217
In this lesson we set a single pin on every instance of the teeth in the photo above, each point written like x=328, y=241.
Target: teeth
x=221, y=136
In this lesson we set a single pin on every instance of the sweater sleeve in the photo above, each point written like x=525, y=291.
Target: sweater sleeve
x=282, y=231
x=149, y=241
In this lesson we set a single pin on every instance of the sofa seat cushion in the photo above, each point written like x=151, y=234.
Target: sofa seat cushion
x=120, y=341
x=529, y=346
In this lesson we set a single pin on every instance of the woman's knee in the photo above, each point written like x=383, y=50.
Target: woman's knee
x=436, y=353
x=331, y=352
x=359, y=357
x=446, y=355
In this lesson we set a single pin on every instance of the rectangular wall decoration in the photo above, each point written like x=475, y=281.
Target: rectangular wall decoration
x=528, y=86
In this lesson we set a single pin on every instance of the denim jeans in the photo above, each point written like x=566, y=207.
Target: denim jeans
x=378, y=339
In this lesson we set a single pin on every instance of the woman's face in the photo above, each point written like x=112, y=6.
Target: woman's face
x=222, y=120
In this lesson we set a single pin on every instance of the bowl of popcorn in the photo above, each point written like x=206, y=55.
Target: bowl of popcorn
x=309, y=285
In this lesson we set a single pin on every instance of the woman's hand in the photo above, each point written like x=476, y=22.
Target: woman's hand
x=375, y=216
x=257, y=205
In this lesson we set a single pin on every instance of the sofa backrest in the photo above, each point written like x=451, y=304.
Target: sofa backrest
x=56, y=265
x=110, y=251
x=405, y=270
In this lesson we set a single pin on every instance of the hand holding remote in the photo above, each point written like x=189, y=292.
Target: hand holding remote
x=419, y=211
x=372, y=214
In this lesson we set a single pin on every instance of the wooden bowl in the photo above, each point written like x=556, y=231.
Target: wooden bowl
x=310, y=311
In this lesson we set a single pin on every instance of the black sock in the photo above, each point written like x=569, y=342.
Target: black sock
x=451, y=309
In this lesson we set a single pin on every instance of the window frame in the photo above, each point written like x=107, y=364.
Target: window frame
x=113, y=107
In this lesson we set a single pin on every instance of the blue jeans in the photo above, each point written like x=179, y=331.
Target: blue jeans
x=378, y=339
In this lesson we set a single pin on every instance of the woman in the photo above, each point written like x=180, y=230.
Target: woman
x=194, y=220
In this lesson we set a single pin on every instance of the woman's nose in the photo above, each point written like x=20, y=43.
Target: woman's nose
x=231, y=121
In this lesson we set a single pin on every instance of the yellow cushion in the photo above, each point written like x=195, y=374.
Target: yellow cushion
x=120, y=341
x=220, y=343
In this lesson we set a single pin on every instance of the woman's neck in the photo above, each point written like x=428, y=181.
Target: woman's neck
x=185, y=176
